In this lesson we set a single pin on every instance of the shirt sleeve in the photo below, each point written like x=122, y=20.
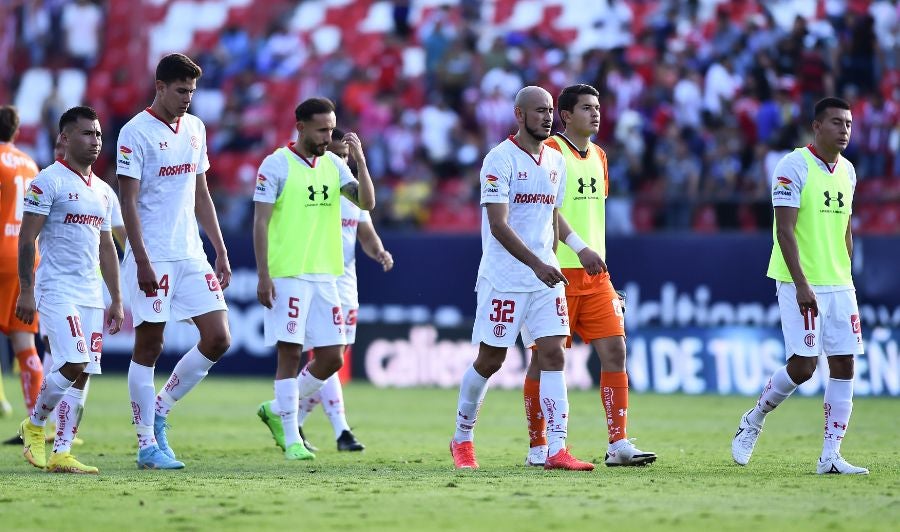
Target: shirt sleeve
x=40, y=195
x=106, y=225
x=344, y=173
x=364, y=217
x=561, y=191
x=204, y=157
x=270, y=178
x=130, y=155
x=115, y=218
x=787, y=181
x=495, y=175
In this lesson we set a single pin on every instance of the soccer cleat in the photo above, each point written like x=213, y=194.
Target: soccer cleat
x=463, y=455
x=66, y=463
x=273, y=422
x=160, y=427
x=35, y=450
x=624, y=453
x=836, y=465
x=297, y=451
x=153, y=458
x=744, y=440
x=306, y=443
x=564, y=460
x=6, y=409
x=537, y=456
x=347, y=442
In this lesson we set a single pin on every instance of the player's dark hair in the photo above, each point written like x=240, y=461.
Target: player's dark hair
x=313, y=106
x=9, y=122
x=568, y=98
x=177, y=67
x=337, y=134
x=827, y=103
x=72, y=115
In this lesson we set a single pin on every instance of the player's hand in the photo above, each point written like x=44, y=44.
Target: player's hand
x=25, y=307
x=146, y=278
x=385, y=259
x=549, y=275
x=355, y=145
x=806, y=300
x=223, y=271
x=265, y=291
x=591, y=261
x=116, y=316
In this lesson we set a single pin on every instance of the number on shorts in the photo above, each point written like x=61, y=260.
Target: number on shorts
x=294, y=305
x=164, y=284
x=75, y=326
x=503, y=310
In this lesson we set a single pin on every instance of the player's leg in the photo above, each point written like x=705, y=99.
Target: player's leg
x=325, y=336
x=287, y=397
x=534, y=416
x=304, y=409
x=802, y=346
x=9, y=284
x=332, y=393
x=31, y=370
x=842, y=334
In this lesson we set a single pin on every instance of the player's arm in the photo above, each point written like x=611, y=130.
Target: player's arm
x=786, y=220
x=205, y=211
x=109, y=269
x=372, y=245
x=129, y=188
x=362, y=193
x=265, y=289
x=498, y=220
x=32, y=223
x=591, y=260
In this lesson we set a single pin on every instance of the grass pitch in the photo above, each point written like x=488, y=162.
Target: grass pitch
x=236, y=479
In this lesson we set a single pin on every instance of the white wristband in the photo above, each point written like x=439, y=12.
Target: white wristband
x=575, y=242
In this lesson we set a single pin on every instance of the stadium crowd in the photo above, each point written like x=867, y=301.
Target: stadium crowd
x=700, y=98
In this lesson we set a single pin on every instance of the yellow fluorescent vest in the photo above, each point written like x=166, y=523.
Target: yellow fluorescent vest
x=584, y=205
x=825, y=206
x=305, y=228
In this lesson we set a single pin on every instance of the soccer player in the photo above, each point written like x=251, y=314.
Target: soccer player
x=522, y=187
x=68, y=207
x=812, y=194
x=355, y=223
x=16, y=173
x=595, y=309
x=162, y=165
x=299, y=256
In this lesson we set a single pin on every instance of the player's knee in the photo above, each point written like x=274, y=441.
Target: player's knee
x=489, y=361
x=840, y=367
x=217, y=343
x=553, y=359
x=801, y=369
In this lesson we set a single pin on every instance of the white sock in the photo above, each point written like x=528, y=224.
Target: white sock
x=68, y=414
x=52, y=390
x=188, y=372
x=838, y=406
x=285, y=405
x=471, y=394
x=307, y=384
x=307, y=405
x=779, y=388
x=142, y=391
x=555, y=405
x=333, y=403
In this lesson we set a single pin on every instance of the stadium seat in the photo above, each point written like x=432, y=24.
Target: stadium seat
x=36, y=85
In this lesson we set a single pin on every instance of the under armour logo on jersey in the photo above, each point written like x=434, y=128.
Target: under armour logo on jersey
x=523, y=176
x=582, y=185
x=164, y=145
x=73, y=196
x=829, y=199
x=312, y=193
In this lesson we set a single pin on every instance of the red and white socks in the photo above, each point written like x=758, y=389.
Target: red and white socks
x=779, y=388
x=52, y=391
x=31, y=375
x=143, y=393
x=189, y=371
x=285, y=405
x=838, y=407
x=614, y=392
x=68, y=416
x=471, y=395
x=555, y=406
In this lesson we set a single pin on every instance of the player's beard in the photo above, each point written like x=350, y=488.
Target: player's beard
x=317, y=150
x=537, y=133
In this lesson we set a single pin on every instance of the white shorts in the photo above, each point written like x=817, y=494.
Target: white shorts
x=75, y=334
x=835, y=331
x=349, y=295
x=187, y=288
x=306, y=313
x=501, y=315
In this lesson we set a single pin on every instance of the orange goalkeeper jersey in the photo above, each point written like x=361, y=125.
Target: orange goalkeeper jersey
x=17, y=170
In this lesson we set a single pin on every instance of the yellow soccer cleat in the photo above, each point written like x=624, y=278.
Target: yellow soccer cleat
x=33, y=440
x=66, y=463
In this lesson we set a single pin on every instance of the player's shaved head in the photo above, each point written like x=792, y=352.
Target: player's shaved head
x=528, y=96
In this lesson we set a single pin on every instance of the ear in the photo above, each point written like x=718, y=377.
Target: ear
x=520, y=115
x=300, y=127
x=565, y=116
x=160, y=85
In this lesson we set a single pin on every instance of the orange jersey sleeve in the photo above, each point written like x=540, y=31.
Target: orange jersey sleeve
x=17, y=170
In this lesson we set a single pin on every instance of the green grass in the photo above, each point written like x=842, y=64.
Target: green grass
x=237, y=480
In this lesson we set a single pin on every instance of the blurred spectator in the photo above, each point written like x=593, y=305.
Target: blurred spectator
x=82, y=21
x=879, y=117
x=439, y=125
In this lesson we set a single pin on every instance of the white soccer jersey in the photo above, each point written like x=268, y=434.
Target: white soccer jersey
x=166, y=158
x=77, y=208
x=115, y=219
x=532, y=186
x=351, y=217
x=790, y=176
